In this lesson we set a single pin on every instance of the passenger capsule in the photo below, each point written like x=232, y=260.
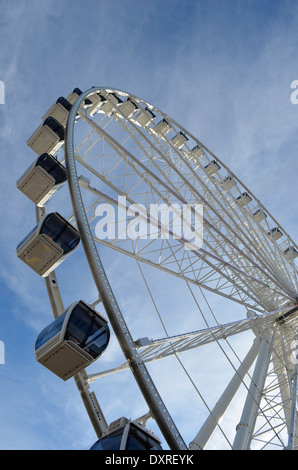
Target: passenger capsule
x=144, y=117
x=197, y=151
x=47, y=138
x=129, y=108
x=111, y=103
x=163, y=127
x=73, y=96
x=275, y=233
x=126, y=435
x=244, y=199
x=59, y=110
x=259, y=215
x=179, y=140
x=96, y=100
x=291, y=253
x=48, y=244
x=41, y=180
x=228, y=183
x=212, y=168
x=73, y=341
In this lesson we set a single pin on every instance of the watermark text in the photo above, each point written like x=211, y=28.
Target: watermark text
x=2, y=353
x=121, y=221
x=2, y=92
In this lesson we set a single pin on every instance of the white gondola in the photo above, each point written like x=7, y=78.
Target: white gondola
x=144, y=117
x=275, y=233
x=73, y=96
x=48, y=137
x=212, y=168
x=48, y=244
x=59, y=110
x=259, y=215
x=163, y=127
x=96, y=100
x=124, y=434
x=197, y=151
x=111, y=103
x=129, y=108
x=291, y=253
x=228, y=183
x=244, y=199
x=179, y=140
x=42, y=179
x=73, y=341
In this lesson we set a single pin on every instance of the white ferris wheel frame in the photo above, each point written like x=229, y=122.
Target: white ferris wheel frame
x=267, y=325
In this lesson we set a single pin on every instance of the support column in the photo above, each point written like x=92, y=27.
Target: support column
x=293, y=428
x=249, y=415
x=211, y=422
x=89, y=399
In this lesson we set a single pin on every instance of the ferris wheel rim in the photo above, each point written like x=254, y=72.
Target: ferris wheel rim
x=92, y=90
x=289, y=292
x=141, y=375
x=137, y=158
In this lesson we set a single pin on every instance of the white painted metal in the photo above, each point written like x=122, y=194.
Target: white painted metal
x=293, y=428
x=221, y=406
x=246, y=425
x=129, y=147
x=138, y=368
x=238, y=261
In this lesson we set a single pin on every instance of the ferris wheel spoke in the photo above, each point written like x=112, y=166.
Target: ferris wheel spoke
x=202, y=268
x=186, y=183
x=162, y=264
x=231, y=244
x=207, y=253
x=152, y=350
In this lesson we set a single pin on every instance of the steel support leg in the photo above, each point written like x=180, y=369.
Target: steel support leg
x=211, y=422
x=249, y=415
x=293, y=429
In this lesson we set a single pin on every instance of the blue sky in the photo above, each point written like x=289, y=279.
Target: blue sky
x=221, y=68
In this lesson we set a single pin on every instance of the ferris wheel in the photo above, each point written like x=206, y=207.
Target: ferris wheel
x=213, y=272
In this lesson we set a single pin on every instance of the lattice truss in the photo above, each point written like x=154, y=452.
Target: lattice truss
x=241, y=257
x=145, y=158
x=274, y=413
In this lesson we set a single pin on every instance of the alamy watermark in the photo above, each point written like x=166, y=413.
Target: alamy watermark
x=121, y=221
x=294, y=94
x=2, y=92
x=2, y=353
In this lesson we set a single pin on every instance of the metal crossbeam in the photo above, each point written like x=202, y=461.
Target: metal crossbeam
x=152, y=350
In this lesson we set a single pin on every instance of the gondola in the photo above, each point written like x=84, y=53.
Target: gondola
x=48, y=244
x=124, y=434
x=42, y=179
x=73, y=341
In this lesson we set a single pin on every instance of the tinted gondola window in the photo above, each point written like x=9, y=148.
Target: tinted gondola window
x=137, y=439
x=60, y=232
x=52, y=166
x=88, y=331
x=140, y=440
x=27, y=236
x=53, y=124
x=50, y=331
x=110, y=442
x=66, y=104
